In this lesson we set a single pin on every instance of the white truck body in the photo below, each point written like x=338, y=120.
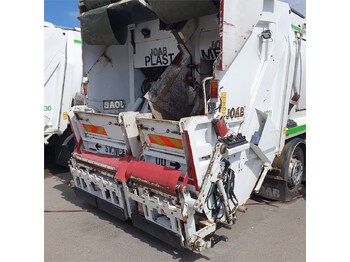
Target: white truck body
x=62, y=76
x=187, y=152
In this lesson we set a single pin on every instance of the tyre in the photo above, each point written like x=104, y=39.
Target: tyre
x=286, y=179
x=293, y=166
x=64, y=148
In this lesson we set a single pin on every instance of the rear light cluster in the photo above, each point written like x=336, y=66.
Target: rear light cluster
x=214, y=89
x=85, y=89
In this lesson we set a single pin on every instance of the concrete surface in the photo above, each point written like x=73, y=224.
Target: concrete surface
x=264, y=233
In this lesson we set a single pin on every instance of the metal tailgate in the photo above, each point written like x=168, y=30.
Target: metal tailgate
x=106, y=133
x=163, y=142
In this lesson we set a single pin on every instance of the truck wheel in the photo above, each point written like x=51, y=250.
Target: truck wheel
x=286, y=184
x=63, y=152
x=64, y=148
x=293, y=166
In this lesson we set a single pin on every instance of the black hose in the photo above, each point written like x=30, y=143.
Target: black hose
x=231, y=175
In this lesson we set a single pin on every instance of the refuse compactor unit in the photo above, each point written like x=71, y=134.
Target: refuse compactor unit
x=192, y=106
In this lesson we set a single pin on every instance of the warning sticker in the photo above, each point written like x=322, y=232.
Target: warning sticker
x=223, y=103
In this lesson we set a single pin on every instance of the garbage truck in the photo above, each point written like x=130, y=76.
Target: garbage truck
x=62, y=87
x=193, y=106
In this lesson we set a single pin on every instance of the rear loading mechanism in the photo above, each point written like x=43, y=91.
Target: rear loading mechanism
x=154, y=197
x=219, y=115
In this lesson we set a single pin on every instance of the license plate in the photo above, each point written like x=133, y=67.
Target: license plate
x=113, y=104
x=115, y=151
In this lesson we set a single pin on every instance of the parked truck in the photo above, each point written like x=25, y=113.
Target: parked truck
x=192, y=107
x=62, y=87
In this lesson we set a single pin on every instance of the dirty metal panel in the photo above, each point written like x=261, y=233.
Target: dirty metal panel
x=161, y=134
x=92, y=4
x=102, y=133
x=172, y=96
x=96, y=28
x=237, y=20
x=107, y=25
x=172, y=11
x=110, y=126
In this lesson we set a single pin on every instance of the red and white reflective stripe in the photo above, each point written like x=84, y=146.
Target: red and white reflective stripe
x=166, y=141
x=95, y=129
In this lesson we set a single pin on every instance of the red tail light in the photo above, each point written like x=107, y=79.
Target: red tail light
x=214, y=89
x=85, y=89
